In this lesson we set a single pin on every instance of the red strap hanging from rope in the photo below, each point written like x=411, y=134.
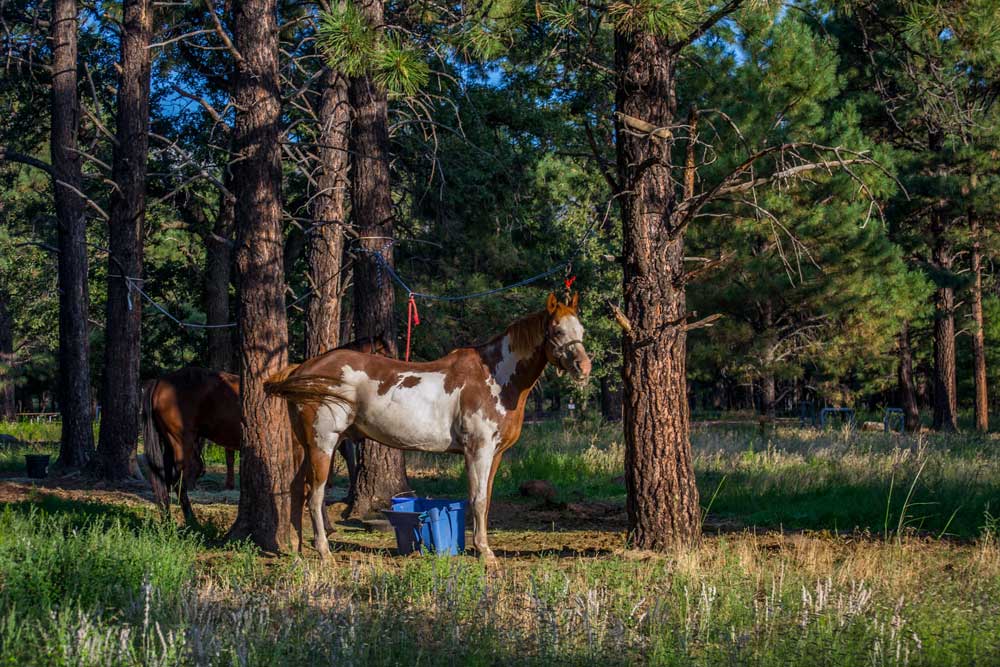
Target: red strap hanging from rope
x=412, y=320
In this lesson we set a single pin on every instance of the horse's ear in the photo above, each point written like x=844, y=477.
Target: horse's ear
x=551, y=303
x=574, y=300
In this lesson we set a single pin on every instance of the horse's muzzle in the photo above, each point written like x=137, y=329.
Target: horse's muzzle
x=580, y=365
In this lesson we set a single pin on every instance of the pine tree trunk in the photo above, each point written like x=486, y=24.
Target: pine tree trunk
x=945, y=391
x=381, y=470
x=907, y=390
x=768, y=389
x=218, y=273
x=663, y=510
x=267, y=464
x=611, y=401
x=326, y=242
x=982, y=405
x=121, y=390
x=768, y=394
x=346, y=306
x=8, y=409
x=77, y=442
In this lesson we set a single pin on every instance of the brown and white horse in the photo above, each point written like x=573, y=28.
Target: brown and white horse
x=182, y=409
x=470, y=402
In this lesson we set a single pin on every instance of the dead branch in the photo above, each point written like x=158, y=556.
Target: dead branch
x=704, y=323
x=644, y=128
x=7, y=155
x=690, y=170
x=209, y=109
x=620, y=318
x=707, y=266
x=224, y=36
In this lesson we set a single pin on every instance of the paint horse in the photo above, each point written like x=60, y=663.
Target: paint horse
x=183, y=409
x=470, y=402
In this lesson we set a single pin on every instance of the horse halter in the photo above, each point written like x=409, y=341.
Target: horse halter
x=558, y=351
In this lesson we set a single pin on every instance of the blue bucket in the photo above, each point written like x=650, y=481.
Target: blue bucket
x=425, y=524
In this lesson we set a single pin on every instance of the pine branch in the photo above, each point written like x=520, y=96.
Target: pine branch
x=706, y=25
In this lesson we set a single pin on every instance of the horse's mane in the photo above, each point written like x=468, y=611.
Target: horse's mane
x=526, y=334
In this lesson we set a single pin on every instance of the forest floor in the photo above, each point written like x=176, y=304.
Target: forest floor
x=834, y=548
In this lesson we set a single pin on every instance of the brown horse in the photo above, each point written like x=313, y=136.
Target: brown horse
x=469, y=402
x=183, y=409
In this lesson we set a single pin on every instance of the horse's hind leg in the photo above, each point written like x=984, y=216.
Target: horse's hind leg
x=322, y=439
x=319, y=463
x=230, y=469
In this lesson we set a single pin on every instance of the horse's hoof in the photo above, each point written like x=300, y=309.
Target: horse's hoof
x=489, y=560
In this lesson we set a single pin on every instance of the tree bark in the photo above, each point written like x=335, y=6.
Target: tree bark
x=267, y=461
x=768, y=388
x=77, y=441
x=768, y=394
x=381, y=470
x=945, y=391
x=121, y=390
x=907, y=390
x=326, y=241
x=663, y=510
x=982, y=404
x=8, y=409
x=218, y=273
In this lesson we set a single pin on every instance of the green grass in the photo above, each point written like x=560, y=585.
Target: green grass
x=33, y=431
x=100, y=584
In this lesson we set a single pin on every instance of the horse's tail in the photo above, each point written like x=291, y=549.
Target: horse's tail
x=304, y=389
x=280, y=375
x=160, y=462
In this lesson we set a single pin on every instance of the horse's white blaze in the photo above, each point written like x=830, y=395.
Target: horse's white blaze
x=571, y=326
x=415, y=417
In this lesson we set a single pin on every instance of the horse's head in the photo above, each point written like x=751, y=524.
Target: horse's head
x=564, y=338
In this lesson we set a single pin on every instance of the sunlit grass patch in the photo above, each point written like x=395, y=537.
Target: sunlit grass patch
x=32, y=431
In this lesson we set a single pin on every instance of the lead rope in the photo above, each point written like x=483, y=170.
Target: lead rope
x=569, y=281
x=412, y=320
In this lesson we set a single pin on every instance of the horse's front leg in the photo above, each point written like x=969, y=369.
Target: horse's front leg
x=349, y=450
x=478, y=462
x=191, y=470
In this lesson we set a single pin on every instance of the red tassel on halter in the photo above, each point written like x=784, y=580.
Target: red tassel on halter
x=412, y=320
